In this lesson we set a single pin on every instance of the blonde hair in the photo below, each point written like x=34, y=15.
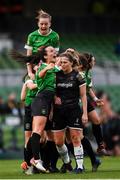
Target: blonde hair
x=43, y=14
x=75, y=54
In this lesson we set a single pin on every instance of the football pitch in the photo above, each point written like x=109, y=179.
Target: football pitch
x=109, y=169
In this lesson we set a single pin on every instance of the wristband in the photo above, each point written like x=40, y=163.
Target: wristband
x=28, y=64
x=95, y=98
x=29, y=80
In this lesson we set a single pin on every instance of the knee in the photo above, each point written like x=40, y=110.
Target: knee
x=37, y=130
x=97, y=121
x=81, y=137
x=75, y=139
x=59, y=142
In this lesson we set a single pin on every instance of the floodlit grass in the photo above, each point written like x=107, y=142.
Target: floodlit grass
x=109, y=169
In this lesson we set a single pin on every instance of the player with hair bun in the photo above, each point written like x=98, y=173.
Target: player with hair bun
x=85, y=70
x=43, y=36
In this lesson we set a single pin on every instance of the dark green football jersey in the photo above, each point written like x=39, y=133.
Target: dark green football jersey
x=87, y=75
x=36, y=40
x=88, y=78
x=48, y=82
x=30, y=94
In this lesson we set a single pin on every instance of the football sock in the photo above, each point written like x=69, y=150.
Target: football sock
x=88, y=149
x=35, y=142
x=97, y=133
x=63, y=151
x=78, y=153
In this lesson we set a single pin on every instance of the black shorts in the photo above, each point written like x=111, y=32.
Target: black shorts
x=48, y=125
x=41, y=104
x=28, y=119
x=90, y=105
x=67, y=117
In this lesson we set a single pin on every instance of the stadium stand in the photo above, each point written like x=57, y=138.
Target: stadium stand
x=7, y=63
x=114, y=94
x=102, y=46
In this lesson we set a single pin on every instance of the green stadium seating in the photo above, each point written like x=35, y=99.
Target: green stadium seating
x=4, y=92
x=101, y=46
x=6, y=62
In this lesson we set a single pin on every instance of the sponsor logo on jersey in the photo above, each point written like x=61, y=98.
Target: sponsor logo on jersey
x=66, y=85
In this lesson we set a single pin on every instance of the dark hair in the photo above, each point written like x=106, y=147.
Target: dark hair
x=84, y=62
x=33, y=59
x=89, y=58
x=24, y=77
x=100, y=93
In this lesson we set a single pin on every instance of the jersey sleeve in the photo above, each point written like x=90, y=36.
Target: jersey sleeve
x=90, y=84
x=56, y=42
x=80, y=80
x=28, y=45
x=56, y=68
x=89, y=79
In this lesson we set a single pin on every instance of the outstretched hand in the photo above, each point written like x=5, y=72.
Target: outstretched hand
x=99, y=102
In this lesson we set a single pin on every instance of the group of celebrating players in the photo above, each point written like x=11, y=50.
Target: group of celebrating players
x=59, y=101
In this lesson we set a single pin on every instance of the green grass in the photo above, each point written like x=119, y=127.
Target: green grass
x=109, y=169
